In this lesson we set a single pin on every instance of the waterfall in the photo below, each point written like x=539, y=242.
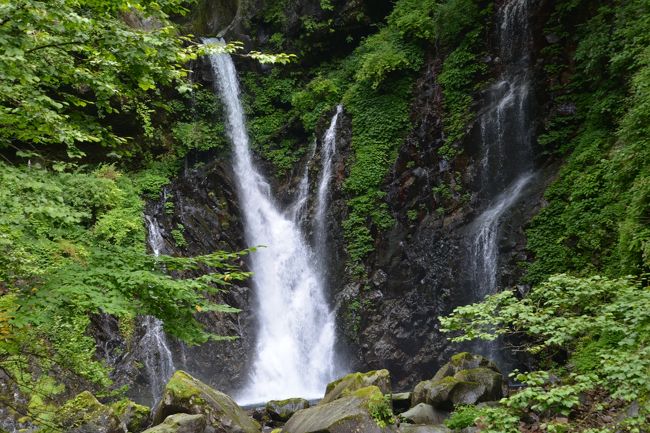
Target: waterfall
x=485, y=248
x=327, y=158
x=506, y=126
x=295, y=337
x=156, y=355
x=506, y=165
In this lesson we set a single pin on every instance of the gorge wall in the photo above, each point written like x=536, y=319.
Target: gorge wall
x=417, y=266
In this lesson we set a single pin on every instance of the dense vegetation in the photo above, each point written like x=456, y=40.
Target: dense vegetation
x=585, y=321
x=97, y=113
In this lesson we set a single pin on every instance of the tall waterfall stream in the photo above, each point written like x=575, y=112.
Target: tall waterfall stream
x=507, y=154
x=294, y=354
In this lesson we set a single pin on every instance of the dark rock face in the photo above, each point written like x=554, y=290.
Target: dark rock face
x=205, y=204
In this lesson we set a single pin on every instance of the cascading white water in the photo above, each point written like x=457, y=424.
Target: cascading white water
x=156, y=355
x=327, y=153
x=295, y=338
x=485, y=248
x=506, y=130
x=506, y=138
x=507, y=155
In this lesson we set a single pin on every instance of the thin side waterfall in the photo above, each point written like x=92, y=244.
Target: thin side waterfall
x=295, y=338
x=506, y=165
x=506, y=127
x=156, y=355
x=328, y=150
x=485, y=248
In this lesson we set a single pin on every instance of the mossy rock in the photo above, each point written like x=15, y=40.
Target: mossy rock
x=185, y=394
x=465, y=387
x=135, y=416
x=180, y=423
x=343, y=415
x=281, y=410
x=85, y=414
x=354, y=381
x=464, y=361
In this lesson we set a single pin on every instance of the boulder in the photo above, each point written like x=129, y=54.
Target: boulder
x=401, y=402
x=355, y=381
x=185, y=394
x=352, y=413
x=423, y=413
x=412, y=428
x=180, y=423
x=464, y=361
x=134, y=416
x=281, y=410
x=464, y=387
x=85, y=414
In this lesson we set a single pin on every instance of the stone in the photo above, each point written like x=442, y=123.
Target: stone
x=185, y=394
x=355, y=381
x=85, y=414
x=180, y=423
x=412, y=428
x=464, y=361
x=465, y=387
x=135, y=416
x=343, y=415
x=423, y=413
x=281, y=410
x=401, y=402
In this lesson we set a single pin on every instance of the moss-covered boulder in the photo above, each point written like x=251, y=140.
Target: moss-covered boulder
x=359, y=411
x=354, y=381
x=85, y=414
x=135, y=416
x=465, y=386
x=464, y=361
x=423, y=413
x=282, y=410
x=185, y=394
x=181, y=423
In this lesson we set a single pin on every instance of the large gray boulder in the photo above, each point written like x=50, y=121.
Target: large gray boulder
x=85, y=414
x=180, y=423
x=354, y=381
x=352, y=413
x=423, y=413
x=185, y=394
x=282, y=410
x=467, y=379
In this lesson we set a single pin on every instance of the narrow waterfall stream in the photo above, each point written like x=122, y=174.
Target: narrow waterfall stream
x=156, y=355
x=294, y=353
x=507, y=154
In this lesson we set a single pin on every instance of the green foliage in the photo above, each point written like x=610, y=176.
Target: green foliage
x=596, y=220
x=72, y=245
x=435, y=21
x=602, y=324
x=67, y=64
x=268, y=101
x=460, y=77
x=384, y=53
x=462, y=416
x=380, y=408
